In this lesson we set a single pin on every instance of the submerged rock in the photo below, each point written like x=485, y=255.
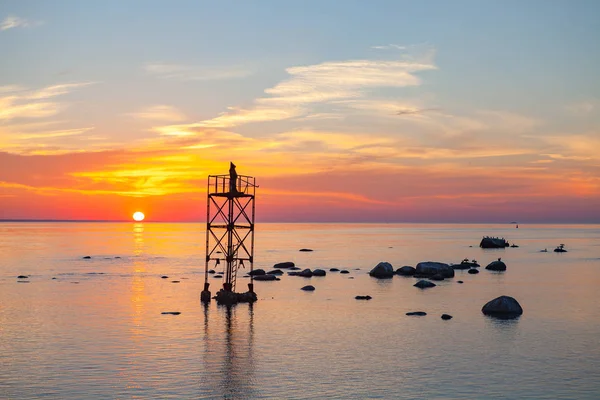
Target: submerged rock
x=497, y=265
x=406, y=271
x=459, y=282
x=466, y=264
x=308, y=288
x=170, y=313
x=22, y=276
x=265, y=277
x=87, y=257
x=431, y=268
x=333, y=269
x=382, y=270
x=344, y=271
x=417, y=313
x=319, y=272
x=502, y=307
x=178, y=281
x=367, y=297
x=164, y=277
x=473, y=271
x=446, y=317
x=422, y=284
x=284, y=265
x=305, y=250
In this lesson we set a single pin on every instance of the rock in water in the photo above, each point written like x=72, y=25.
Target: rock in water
x=406, y=271
x=417, y=313
x=334, y=269
x=164, y=277
x=344, y=271
x=305, y=250
x=423, y=284
x=367, y=297
x=437, y=277
x=382, y=270
x=307, y=273
x=493, y=243
x=275, y=272
x=459, y=282
x=170, y=313
x=502, y=307
x=22, y=277
x=309, y=288
x=496, y=266
x=430, y=268
x=257, y=272
x=265, y=277
x=473, y=271
x=284, y=265
x=319, y=272
x=446, y=317
x=87, y=257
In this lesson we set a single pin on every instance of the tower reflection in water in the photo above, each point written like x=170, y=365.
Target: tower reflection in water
x=229, y=350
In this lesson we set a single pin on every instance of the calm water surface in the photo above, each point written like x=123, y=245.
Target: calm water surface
x=97, y=332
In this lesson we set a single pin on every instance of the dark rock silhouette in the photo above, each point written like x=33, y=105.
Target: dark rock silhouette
x=497, y=265
x=406, y=271
x=503, y=307
x=308, y=288
x=305, y=250
x=417, y=313
x=334, y=269
x=22, y=277
x=473, y=271
x=87, y=257
x=164, y=277
x=422, y=284
x=459, y=282
x=344, y=271
x=170, y=313
x=256, y=272
x=437, y=277
x=446, y=317
x=430, y=268
x=367, y=297
x=493, y=243
x=382, y=270
x=275, y=272
x=211, y=271
x=307, y=273
x=174, y=281
x=319, y=272
x=284, y=265
x=466, y=264
x=560, y=249
x=265, y=277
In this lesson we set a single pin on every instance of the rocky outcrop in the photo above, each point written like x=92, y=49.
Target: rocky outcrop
x=502, y=307
x=382, y=270
x=493, y=243
x=497, y=265
x=406, y=271
x=284, y=265
x=423, y=284
x=430, y=268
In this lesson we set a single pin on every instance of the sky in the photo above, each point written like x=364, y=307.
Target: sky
x=353, y=111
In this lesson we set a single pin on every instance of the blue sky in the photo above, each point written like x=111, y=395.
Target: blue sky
x=431, y=85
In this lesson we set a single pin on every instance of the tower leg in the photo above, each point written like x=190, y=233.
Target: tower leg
x=205, y=295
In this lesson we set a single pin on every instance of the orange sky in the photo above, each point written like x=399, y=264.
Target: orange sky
x=461, y=120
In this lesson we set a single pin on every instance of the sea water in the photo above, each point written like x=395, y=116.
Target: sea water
x=93, y=328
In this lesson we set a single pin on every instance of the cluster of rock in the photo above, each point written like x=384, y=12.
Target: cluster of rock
x=493, y=243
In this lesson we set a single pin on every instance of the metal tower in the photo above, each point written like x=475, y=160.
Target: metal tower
x=230, y=231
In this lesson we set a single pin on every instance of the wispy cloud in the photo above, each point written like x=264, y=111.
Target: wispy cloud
x=12, y=21
x=583, y=108
x=160, y=113
x=390, y=47
x=325, y=83
x=195, y=73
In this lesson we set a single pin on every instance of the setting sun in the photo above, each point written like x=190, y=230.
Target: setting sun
x=138, y=216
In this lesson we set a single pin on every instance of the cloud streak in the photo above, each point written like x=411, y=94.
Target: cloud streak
x=12, y=21
x=194, y=73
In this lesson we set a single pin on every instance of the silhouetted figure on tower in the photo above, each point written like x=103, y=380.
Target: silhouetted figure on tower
x=232, y=178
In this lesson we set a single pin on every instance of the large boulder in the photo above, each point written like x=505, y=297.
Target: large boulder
x=266, y=277
x=257, y=272
x=319, y=272
x=283, y=265
x=497, y=265
x=431, y=268
x=382, y=270
x=406, y=271
x=502, y=307
x=493, y=243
